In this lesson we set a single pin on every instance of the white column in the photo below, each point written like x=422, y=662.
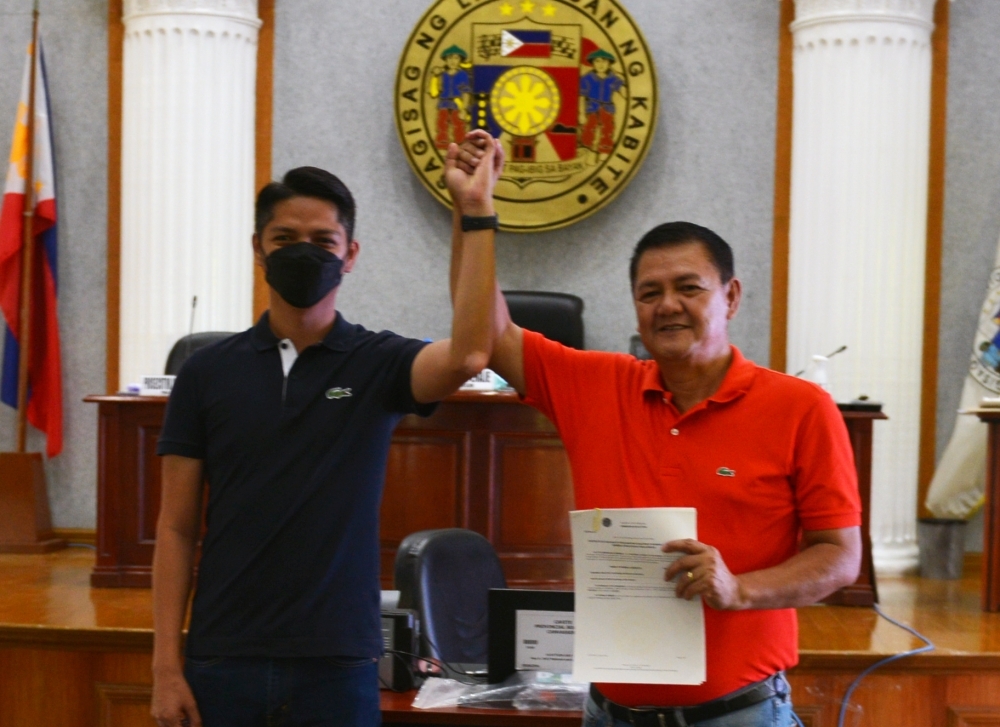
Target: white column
x=188, y=120
x=861, y=122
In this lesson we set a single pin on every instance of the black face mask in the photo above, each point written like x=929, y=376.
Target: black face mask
x=303, y=273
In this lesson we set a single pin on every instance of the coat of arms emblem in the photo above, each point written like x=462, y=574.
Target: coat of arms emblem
x=568, y=86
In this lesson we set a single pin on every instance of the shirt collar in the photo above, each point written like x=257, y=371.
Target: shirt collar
x=737, y=381
x=336, y=340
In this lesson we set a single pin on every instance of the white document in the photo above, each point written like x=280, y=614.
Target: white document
x=630, y=625
x=544, y=641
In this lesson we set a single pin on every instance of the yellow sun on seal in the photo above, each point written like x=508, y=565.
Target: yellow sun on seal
x=525, y=101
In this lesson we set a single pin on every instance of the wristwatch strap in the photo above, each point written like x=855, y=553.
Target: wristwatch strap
x=469, y=224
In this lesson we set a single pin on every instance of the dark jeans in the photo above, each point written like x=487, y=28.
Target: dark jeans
x=263, y=692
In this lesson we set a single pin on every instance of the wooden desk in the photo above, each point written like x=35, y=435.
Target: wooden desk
x=991, y=512
x=483, y=461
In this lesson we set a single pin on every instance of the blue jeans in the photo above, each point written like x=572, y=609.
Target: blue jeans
x=263, y=692
x=773, y=712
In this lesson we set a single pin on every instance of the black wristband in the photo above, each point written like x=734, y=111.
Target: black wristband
x=470, y=224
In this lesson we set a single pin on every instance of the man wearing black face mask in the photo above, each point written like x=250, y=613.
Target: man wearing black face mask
x=289, y=423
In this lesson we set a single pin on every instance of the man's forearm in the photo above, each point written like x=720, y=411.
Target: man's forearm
x=173, y=562
x=807, y=577
x=456, y=249
x=473, y=261
x=472, y=317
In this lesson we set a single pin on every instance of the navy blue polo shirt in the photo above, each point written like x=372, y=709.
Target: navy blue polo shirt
x=295, y=469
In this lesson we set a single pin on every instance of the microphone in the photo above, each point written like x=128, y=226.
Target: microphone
x=187, y=341
x=194, y=304
x=829, y=355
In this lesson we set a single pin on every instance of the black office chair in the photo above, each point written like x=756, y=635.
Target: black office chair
x=446, y=576
x=557, y=316
x=186, y=345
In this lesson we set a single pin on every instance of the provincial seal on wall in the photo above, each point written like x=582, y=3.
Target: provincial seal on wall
x=568, y=86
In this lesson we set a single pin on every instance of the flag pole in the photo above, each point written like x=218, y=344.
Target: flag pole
x=27, y=249
x=25, y=519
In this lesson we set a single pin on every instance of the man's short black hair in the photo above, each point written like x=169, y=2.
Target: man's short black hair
x=670, y=234
x=306, y=182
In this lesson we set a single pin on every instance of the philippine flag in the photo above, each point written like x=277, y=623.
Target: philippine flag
x=526, y=43
x=44, y=371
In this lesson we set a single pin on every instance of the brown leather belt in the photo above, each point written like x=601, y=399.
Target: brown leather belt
x=685, y=716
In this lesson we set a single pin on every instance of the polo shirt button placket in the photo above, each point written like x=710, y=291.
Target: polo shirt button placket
x=675, y=431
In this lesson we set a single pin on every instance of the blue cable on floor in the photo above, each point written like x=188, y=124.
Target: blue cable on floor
x=929, y=646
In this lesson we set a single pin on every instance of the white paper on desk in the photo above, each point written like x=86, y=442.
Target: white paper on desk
x=630, y=625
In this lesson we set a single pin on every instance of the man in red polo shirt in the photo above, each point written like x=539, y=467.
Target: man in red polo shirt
x=763, y=456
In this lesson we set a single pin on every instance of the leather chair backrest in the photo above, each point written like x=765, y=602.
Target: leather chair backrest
x=446, y=576
x=557, y=316
x=187, y=345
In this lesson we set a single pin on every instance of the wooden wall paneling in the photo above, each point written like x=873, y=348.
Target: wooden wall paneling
x=55, y=687
x=535, y=493
x=262, y=142
x=782, y=190
x=45, y=688
x=973, y=716
x=124, y=705
x=425, y=484
x=971, y=690
x=481, y=487
x=116, y=39
x=810, y=716
x=886, y=699
x=935, y=235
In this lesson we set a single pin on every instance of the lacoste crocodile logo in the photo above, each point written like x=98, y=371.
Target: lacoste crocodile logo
x=338, y=393
x=725, y=472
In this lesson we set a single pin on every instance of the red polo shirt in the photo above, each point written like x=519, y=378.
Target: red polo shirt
x=764, y=458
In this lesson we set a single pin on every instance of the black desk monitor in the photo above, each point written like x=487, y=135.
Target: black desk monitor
x=504, y=603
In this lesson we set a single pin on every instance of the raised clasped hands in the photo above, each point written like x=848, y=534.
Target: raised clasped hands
x=701, y=571
x=472, y=169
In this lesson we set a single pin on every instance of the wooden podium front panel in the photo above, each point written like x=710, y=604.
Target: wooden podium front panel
x=148, y=504
x=529, y=524
x=863, y=592
x=488, y=463
x=482, y=461
x=128, y=489
x=426, y=487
